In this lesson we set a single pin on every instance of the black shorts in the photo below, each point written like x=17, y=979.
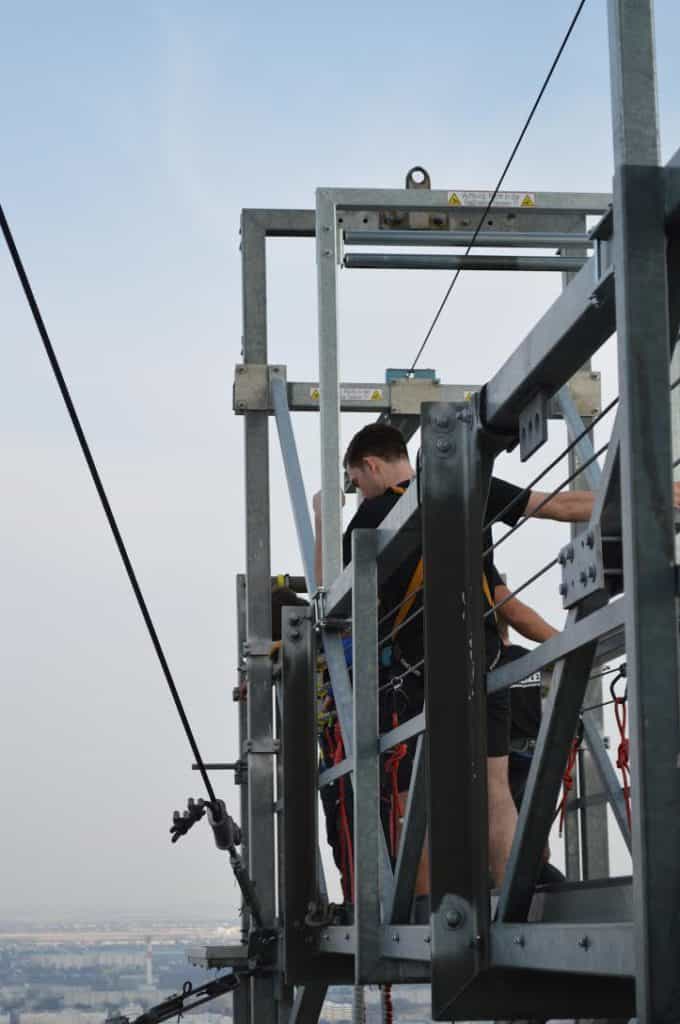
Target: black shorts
x=497, y=729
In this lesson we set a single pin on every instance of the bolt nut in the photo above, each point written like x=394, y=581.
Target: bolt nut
x=294, y=620
x=562, y=558
x=442, y=445
x=519, y=940
x=395, y=937
x=592, y=572
x=584, y=942
x=590, y=539
x=583, y=576
x=563, y=588
x=454, y=918
x=441, y=421
x=570, y=552
x=294, y=634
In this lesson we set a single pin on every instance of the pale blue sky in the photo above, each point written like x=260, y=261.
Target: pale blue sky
x=132, y=136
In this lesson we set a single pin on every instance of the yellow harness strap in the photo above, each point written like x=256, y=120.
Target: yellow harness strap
x=415, y=584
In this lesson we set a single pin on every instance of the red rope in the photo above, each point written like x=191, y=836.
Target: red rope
x=396, y=756
x=622, y=763
x=568, y=779
x=337, y=752
x=388, y=1011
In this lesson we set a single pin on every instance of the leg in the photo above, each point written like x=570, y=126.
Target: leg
x=502, y=816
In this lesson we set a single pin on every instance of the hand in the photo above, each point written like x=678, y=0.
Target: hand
x=316, y=503
x=676, y=494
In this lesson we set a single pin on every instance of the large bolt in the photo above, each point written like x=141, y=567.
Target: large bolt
x=584, y=942
x=563, y=588
x=441, y=421
x=583, y=577
x=590, y=539
x=442, y=445
x=592, y=572
x=454, y=918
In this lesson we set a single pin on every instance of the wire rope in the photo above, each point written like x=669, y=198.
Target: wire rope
x=547, y=498
x=106, y=505
x=544, y=472
x=501, y=180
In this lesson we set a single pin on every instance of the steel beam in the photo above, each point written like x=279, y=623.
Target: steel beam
x=329, y=382
x=258, y=609
x=453, y=484
x=610, y=783
x=308, y=1003
x=299, y=793
x=412, y=838
x=296, y=485
x=547, y=767
x=578, y=633
x=568, y=334
x=417, y=261
x=646, y=506
x=568, y=948
x=366, y=779
x=497, y=239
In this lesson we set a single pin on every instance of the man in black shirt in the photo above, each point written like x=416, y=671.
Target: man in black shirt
x=378, y=465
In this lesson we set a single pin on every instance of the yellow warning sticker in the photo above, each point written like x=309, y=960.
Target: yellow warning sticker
x=479, y=198
x=349, y=393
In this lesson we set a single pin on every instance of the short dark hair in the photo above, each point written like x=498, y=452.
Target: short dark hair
x=379, y=439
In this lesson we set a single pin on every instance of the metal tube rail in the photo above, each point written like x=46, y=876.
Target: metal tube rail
x=418, y=261
x=497, y=239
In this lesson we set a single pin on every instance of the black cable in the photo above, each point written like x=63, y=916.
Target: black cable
x=502, y=177
x=94, y=473
x=527, y=583
x=547, y=498
x=572, y=444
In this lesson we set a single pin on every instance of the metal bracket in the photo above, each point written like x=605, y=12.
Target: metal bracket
x=262, y=747
x=586, y=390
x=252, y=391
x=533, y=426
x=582, y=567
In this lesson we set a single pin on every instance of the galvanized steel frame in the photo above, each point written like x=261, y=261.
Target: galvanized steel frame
x=542, y=953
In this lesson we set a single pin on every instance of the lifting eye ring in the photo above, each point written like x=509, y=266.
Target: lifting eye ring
x=418, y=177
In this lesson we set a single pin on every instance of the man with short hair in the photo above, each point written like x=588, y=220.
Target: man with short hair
x=378, y=464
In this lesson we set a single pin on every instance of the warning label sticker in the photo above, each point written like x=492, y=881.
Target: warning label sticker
x=352, y=394
x=482, y=198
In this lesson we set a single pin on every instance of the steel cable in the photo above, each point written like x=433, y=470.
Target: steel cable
x=108, y=511
x=500, y=181
x=548, y=497
x=544, y=472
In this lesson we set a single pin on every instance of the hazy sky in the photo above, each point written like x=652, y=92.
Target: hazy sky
x=133, y=134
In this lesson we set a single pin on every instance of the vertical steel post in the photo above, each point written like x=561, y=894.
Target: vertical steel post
x=587, y=852
x=646, y=507
x=366, y=779
x=329, y=400
x=298, y=884
x=242, y=993
x=258, y=608
x=454, y=484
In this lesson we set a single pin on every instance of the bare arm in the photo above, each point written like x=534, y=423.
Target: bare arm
x=566, y=507
x=521, y=617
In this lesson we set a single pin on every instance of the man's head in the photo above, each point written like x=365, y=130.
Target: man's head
x=377, y=458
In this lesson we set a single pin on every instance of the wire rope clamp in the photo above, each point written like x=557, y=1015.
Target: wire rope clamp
x=533, y=426
x=225, y=830
x=582, y=567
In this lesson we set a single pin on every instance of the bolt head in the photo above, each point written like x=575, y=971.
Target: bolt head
x=563, y=589
x=454, y=918
x=442, y=445
x=441, y=421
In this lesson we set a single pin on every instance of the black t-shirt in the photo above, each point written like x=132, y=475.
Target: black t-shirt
x=370, y=515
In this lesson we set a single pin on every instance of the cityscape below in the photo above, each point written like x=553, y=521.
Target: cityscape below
x=83, y=971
